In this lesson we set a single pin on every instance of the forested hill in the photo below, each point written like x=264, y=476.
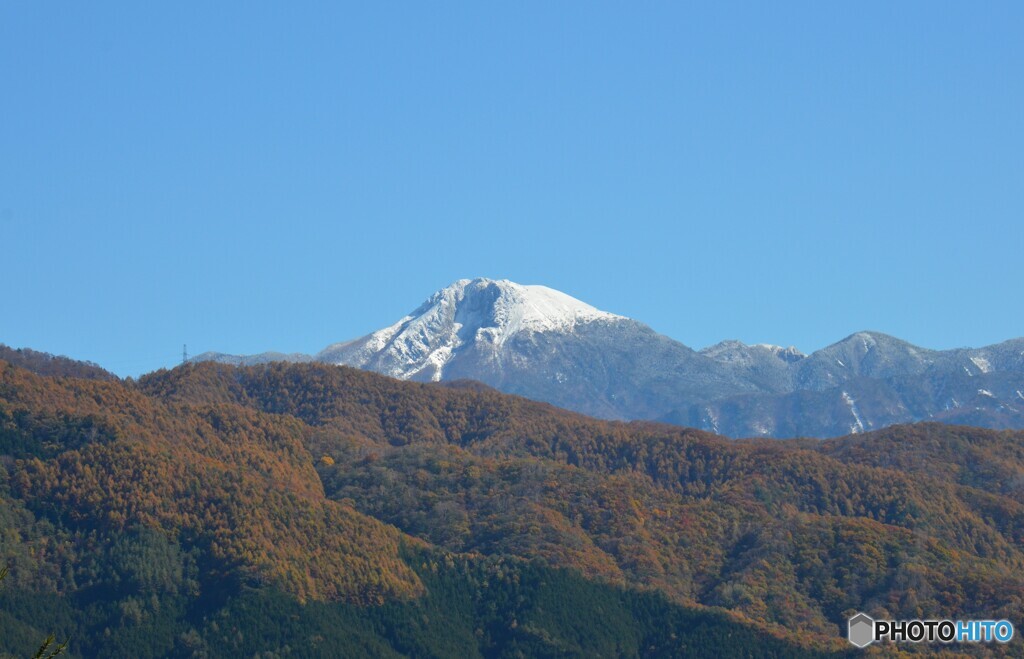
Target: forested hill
x=44, y=363
x=222, y=510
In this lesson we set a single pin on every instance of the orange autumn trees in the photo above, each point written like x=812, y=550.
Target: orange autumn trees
x=311, y=479
x=232, y=480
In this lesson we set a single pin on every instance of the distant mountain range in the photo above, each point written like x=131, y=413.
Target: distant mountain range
x=543, y=344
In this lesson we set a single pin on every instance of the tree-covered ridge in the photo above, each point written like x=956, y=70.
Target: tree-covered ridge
x=307, y=481
x=990, y=460
x=795, y=533
x=234, y=481
x=43, y=363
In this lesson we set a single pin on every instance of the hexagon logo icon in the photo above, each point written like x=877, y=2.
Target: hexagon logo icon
x=861, y=630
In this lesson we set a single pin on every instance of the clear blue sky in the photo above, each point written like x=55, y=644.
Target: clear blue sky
x=252, y=176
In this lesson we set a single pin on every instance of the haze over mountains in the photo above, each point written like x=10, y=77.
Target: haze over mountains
x=543, y=344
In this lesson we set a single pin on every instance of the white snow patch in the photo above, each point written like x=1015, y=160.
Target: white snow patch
x=380, y=338
x=438, y=359
x=712, y=417
x=983, y=364
x=858, y=425
x=986, y=392
x=1020, y=395
x=968, y=372
x=536, y=308
x=840, y=362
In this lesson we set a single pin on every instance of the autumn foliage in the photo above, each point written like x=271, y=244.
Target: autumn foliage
x=318, y=481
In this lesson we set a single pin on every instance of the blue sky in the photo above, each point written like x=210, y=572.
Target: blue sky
x=252, y=176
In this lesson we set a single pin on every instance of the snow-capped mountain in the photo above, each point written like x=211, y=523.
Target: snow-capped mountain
x=541, y=343
x=478, y=316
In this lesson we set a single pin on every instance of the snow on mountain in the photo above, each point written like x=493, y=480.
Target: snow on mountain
x=478, y=312
x=983, y=364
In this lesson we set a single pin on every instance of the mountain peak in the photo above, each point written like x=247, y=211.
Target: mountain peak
x=503, y=308
x=483, y=313
x=871, y=338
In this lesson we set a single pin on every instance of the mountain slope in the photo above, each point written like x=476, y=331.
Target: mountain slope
x=763, y=528
x=88, y=448
x=183, y=517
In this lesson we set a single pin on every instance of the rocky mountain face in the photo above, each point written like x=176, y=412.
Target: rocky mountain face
x=545, y=345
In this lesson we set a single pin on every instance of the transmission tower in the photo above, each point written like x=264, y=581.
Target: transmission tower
x=184, y=354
